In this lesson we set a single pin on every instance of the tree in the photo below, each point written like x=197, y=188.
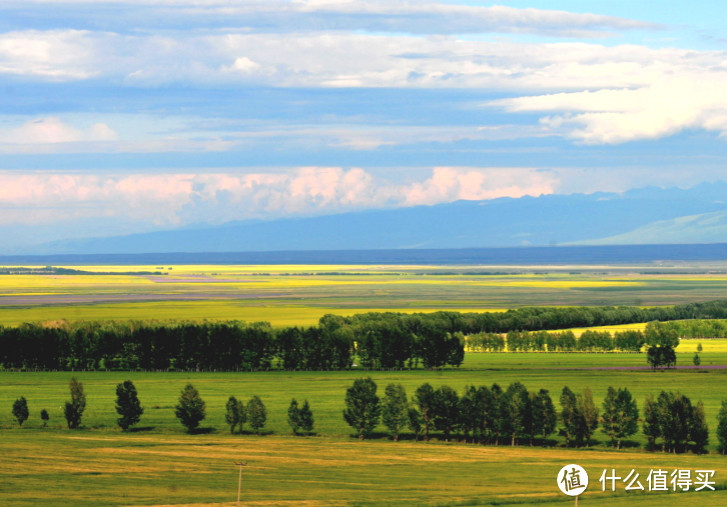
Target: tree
x=699, y=431
x=699, y=347
x=722, y=427
x=415, y=422
x=569, y=414
x=20, y=410
x=395, y=409
x=609, y=417
x=544, y=418
x=627, y=416
x=256, y=413
x=695, y=360
x=232, y=413
x=424, y=398
x=73, y=410
x=294, y=416
x=362, y=407
x=306, y=417
x=515, y=412
x=44, y=417
x=445, y=410
x=191, y=408
x=588, y=414
x=651, y=421
x=127, y=405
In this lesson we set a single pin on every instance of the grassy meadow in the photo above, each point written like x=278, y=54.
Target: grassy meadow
x=159, y=464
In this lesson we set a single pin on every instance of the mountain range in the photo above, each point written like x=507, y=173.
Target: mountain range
x=650, y=215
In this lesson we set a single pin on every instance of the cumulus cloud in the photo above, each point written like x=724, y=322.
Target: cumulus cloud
x=163, y=200
x=668, y=105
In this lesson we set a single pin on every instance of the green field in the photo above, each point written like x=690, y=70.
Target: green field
x=159, y=464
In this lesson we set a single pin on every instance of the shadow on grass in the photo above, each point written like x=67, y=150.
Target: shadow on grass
x=141, y=429
x=203, y=431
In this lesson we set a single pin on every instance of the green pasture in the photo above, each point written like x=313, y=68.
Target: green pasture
x=159, y=464
x=83, y=468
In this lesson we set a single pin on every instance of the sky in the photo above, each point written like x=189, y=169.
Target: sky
x=122, y=116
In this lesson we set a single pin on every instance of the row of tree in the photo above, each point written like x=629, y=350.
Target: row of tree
x=231, y=346
x=484, y=415
x=514, y=415
x=379, y=340
x=631, y=340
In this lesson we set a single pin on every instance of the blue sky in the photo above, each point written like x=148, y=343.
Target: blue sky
x=137, y=115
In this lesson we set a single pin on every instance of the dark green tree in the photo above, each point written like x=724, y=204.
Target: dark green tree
x=424, y=398
x=627, y=416
x=588, y=417
x=241, y=415
x=395, y=409
x=698, y=429
x=445, y=410
x=20, y=410
x=569, y=414
x=256, y=413
x=544, y=418
x=722, y=427
x=44, y=417
x=415, y=422
x=73, y=410
x=191, y=408
x=363, y=410
x=609, y=424
x=127, y=405
x=306, y=418
x=695, y=360
x=294, y=416
x=232, y=413
x=515, y=412
x=651, y=421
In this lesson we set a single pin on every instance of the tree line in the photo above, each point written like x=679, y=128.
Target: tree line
x=497, y=416
x=481, y=414
x=229, y=346
x=377, y=340
x=630, y=340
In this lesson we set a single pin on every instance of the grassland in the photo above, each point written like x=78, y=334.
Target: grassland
x=159, y=464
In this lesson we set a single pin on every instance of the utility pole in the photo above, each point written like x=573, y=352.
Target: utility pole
x=239, y=480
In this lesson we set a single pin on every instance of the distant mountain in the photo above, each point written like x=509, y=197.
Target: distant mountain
x=646, y=215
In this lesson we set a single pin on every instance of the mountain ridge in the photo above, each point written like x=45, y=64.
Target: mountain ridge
x=600, y=218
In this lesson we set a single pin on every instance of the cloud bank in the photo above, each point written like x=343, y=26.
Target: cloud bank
x=167, y=200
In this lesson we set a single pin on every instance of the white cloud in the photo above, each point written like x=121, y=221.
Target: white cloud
x=453, y=183
x=400, y=16
x=163, y=200
x=52, y=130
x=666, y=106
